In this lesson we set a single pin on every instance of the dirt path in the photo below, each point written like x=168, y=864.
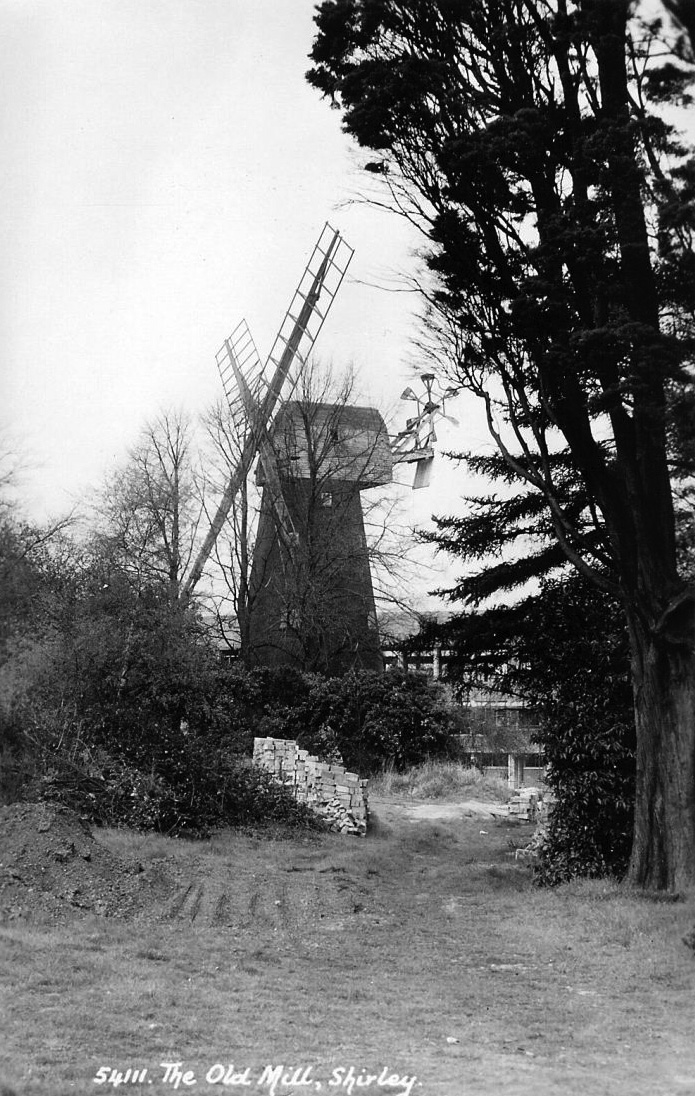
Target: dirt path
x=322, y=883
x=398, y=810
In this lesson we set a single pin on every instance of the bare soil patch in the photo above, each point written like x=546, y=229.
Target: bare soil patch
x=424, y=949
x=51, y=867
x=443, y=812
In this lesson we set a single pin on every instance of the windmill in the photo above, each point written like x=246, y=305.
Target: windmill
x=312, y=591
x=356, y=456
x=311, y=579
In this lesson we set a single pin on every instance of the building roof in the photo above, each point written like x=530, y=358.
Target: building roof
x=345, y=443
x=397, y=627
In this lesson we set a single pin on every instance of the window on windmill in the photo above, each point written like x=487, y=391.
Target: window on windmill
x=342, y=433
x=288, y=456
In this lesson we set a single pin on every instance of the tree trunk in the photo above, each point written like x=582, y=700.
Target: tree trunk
x=663, y=667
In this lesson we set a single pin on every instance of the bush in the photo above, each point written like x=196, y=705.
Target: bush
x=376, y=721
x=591, y=771
x=192, y=794
x=17, y=764
x=169, y=750
x=157, y=776
x=239, y=704
x=584, y=698
x=371, y=721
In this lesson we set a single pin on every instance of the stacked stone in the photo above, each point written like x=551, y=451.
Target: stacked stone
x=528, y=805
x=277, y=757
x=337, y=795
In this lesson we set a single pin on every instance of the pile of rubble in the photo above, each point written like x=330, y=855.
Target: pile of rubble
x=338, y=796
x=530, y=852
x=52, y=867
x=529, y=805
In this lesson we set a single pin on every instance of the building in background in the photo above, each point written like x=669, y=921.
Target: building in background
x=496, y=729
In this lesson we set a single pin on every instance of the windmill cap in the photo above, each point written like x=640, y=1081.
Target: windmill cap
x=343, y=443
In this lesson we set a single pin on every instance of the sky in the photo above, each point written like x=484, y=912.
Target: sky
x=167, y=171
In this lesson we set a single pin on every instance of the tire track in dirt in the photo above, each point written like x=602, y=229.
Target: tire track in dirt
x=287, y=900
x=339, y=883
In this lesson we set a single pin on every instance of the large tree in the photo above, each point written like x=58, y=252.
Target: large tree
x=517, y=135
x=145, y=530
x=150, y=509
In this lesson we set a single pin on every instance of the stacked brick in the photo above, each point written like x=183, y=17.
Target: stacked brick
x=340, y=797
x=529, y=805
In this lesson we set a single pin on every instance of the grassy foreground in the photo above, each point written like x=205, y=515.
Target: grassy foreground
x=420, y=959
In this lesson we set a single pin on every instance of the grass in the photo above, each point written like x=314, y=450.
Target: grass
x=436, y=779
x=424, y=949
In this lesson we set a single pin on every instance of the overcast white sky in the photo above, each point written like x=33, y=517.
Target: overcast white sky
x=166, y=172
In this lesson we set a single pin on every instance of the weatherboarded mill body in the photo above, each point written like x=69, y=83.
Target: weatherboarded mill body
x=311, y=585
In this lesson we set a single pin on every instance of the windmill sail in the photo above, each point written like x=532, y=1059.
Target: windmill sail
x=294, y=341
x=238, y=356
x=250, y=404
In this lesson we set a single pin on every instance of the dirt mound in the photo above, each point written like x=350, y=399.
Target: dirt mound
x=51, y=866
